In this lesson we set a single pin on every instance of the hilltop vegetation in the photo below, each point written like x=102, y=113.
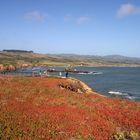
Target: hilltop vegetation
x=20, y=51
x=39, y=108
x=14, y=57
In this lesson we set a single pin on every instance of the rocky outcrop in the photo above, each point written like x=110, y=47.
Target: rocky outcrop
x=75, y=85
x=83, y=86
x=7, y=68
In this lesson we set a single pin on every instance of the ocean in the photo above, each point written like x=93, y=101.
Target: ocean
x=122, y=82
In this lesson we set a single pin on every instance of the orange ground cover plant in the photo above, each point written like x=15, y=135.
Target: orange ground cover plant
x=37, y=108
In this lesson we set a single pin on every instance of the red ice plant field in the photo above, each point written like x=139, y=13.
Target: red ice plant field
x=38, y=108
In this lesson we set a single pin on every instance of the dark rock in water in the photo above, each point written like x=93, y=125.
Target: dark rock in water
x=71, y=71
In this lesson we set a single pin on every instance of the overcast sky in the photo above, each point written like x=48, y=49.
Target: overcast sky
x=95, y=27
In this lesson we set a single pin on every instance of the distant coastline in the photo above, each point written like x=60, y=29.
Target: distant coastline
x=29, y=58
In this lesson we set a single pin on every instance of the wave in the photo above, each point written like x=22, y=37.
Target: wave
x=123, y=94
x=95, y=73
x=118, y=93
x=131, y=97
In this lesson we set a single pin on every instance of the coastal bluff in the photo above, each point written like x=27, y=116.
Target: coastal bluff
x=75, y=85
x=78, y=86
x=63, y=108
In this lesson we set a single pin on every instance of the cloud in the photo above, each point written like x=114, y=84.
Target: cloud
x=35, y=16
x=127, y=9
x=83, y=19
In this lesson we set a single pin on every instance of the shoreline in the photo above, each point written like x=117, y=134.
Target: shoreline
x=87, y=89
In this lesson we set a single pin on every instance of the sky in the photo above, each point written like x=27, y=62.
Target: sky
x=93, y=27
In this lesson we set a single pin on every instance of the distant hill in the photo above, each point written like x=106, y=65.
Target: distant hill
x=120, y=57
x=114, y=60
x=18, y=57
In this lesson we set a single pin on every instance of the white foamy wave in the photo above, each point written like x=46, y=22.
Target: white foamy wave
x=131, y=97
x=97, y=73
x=83, y=73
x=123, y=95
x=118, y=93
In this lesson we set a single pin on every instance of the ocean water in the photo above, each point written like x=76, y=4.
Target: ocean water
x=122, y=82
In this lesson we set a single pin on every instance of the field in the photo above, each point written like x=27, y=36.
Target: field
x=36, y=108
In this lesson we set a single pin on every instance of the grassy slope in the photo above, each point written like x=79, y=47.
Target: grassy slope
x=17, y=58
x=37, y=108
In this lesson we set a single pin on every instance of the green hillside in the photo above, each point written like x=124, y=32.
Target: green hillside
x=31, y=58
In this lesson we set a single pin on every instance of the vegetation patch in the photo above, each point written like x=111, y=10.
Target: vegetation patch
x=36, y=108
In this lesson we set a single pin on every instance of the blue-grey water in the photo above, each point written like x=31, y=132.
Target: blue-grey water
x=120, y=82
x=114, y=81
